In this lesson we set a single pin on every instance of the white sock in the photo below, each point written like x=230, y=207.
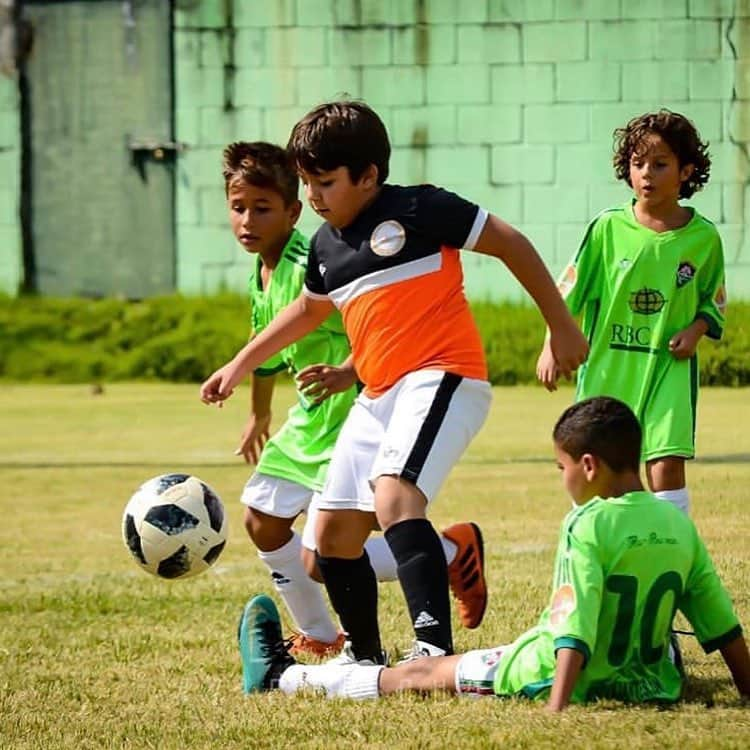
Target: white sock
x=303, y=596
x=384, y=563
x=335, y=680
x=679, y=498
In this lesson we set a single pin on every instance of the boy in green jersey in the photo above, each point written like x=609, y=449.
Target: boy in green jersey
x=261, y=187
x=625, y=563
x=648, y=282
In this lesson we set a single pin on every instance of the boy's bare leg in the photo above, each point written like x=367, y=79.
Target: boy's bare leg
x=423, y=675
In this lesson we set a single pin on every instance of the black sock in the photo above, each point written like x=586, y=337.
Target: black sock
x=423, y=574
x=353, y=591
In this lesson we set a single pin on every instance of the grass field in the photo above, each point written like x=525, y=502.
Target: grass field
x=96, y=654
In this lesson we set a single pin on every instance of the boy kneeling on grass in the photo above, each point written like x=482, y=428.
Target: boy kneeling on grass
x=625, y=563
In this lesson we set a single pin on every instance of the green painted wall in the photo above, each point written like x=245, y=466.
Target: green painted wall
x=11, y=263
x=510, y=102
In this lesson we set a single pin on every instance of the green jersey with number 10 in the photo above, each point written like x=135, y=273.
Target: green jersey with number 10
x=624, y=566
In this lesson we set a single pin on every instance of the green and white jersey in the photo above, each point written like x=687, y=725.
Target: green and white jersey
x=301, y=449
x=634, y=289
x=623, y=567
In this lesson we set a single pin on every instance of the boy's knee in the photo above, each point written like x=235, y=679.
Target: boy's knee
x=268, y=533
x=342, y=533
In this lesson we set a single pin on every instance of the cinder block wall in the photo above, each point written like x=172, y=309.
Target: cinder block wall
x=510, y=102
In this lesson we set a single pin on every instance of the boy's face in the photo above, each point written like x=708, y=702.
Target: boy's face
x=578, y=475
x=260, y=219
x=335, y=198
x=655, y=173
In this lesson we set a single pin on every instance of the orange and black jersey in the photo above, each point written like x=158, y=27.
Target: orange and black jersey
x=395, y=274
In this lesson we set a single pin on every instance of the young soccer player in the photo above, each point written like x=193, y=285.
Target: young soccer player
x=387, y=258
x=648, y=281
x=625, y=562
x=261, y=187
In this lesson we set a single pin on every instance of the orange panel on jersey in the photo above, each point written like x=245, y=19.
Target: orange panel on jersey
x=420, y=323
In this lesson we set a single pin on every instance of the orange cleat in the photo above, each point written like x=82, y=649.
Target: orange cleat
x=466, y=573
x=303, y=645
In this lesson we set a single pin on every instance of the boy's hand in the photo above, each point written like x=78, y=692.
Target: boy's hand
x=254, y=437
x=319, y=382
x=684, y=343
x=568, y=346
x=546, y=368
x=220, y=385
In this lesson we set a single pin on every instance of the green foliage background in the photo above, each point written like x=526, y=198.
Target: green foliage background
x=182, y=339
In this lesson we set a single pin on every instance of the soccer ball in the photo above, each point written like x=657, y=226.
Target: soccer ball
x=174, y=526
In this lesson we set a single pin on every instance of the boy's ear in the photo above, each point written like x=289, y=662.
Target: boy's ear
x=369, y=178
x=590, y=465
x=686, y=172
x=295, y=209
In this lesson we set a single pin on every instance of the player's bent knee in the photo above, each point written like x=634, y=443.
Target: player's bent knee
x=268, y=533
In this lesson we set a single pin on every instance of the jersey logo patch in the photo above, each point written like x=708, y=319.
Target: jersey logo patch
x=685, y=273
x=322, y=269
x=647, y=301
x=567, y=281
x=720, y=298
x=387, y=238
x=563, y=604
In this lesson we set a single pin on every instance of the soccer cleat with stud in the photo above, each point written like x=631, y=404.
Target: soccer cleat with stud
x=264, y=653
x=304, y=645
x=466, y=573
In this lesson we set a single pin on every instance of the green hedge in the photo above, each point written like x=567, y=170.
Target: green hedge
x=183, y=339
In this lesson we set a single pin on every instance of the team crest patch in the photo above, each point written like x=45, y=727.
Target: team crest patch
x=685, y=273
x=720, y=298
x=647, y=301
x=563, y=604
x=567, y=280
x=387, y=238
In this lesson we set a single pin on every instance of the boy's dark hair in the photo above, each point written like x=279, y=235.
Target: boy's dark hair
x=263, y=165
x=341, y=134
x=680, y=135
x=605, y=428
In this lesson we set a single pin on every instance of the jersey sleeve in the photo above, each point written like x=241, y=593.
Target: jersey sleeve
x=449, y=218
x=581, y=280
x=706, y=603
x=314, y=284
x=577, y=596
x=713, y=296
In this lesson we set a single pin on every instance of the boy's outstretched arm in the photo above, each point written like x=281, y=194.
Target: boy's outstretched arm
x=568, y=344
x=737, y=659
x=569, y=663
x=305, y=314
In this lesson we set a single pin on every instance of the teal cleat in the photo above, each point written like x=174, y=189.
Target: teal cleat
x=264, y=653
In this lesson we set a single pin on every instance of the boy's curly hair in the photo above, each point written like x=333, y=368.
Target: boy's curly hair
x=263, y=165
x=679, y=134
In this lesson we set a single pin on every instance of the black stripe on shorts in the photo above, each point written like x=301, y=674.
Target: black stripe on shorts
x=431, y=426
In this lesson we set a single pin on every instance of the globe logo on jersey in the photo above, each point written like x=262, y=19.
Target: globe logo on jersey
x=387, y=238
x=647, y=301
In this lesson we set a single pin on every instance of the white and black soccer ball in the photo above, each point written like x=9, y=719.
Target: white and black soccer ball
x=174, y=526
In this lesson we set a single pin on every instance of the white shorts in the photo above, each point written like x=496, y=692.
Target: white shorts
x=417, y=431
x=475, y=672
x=279, y=497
